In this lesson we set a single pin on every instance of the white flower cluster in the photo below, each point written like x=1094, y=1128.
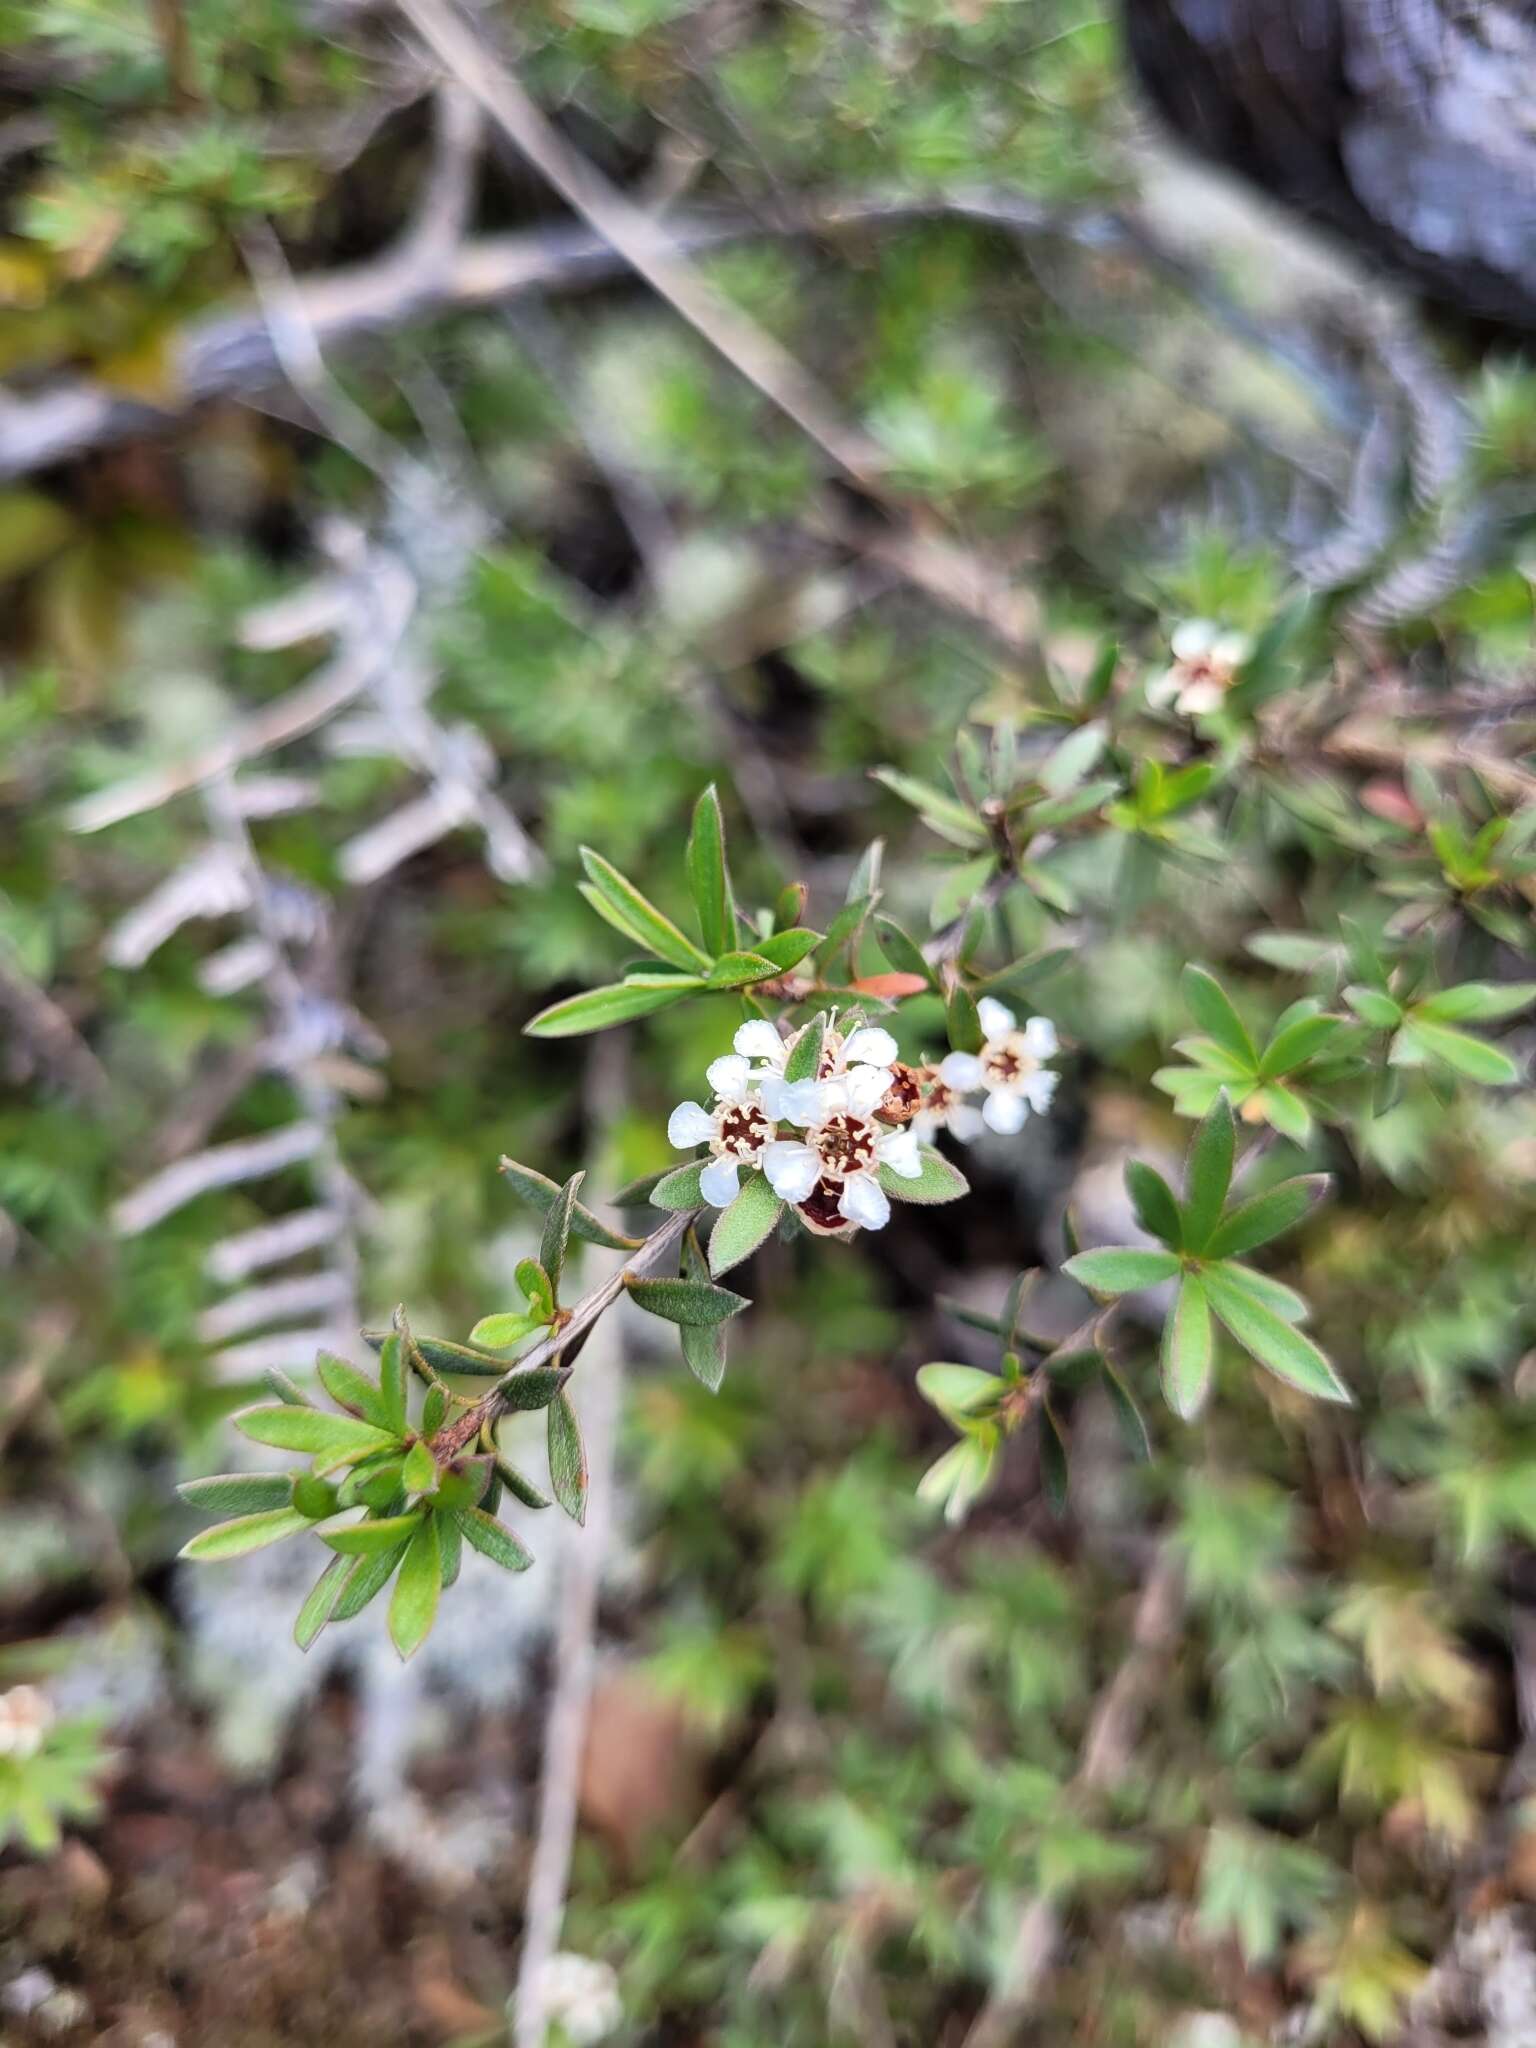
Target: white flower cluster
x=823, y=1142
x=580, y=1996
x=1206, y=659
x=25, y=1718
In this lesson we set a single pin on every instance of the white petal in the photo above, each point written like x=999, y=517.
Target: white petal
x=792, y=1169
x=720, y=1182
x=870, y=1047
x=1194, y=639
x=960, y=1070
x=898, y=1151
x=997, y=1020
x=1039, y=1089
x=1196, y=699
x=865, y=1088
x=1164, y=687
x=730, y=1076
x=863, y=1201
x=690, y=1124
x=1004, y=1112
x=757, y=1040
x=1040, y=1038
x=1231, y=650
x=794, y=1102
x=965, y=1122
x=925, y=1126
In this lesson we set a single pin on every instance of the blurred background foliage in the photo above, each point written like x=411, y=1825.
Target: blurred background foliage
x=863, y=1734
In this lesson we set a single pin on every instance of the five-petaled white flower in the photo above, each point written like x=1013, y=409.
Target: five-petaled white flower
x=944, y=1105
x=26, y=1715
x=1010, y=1067
x=736, y=1128
x=843, y=1148
x=1206, y=659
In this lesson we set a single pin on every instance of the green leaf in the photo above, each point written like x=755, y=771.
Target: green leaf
x=537, y=1189
x=804, y=1057
x=518, y=1484
x=238, y=1493
x=557, y=1230
x=1157, y=1210
x=450, y=1546
x=1296, y=1043
x=1474, y=1057
x=348, y=1388
x=1133, y=1426
x=419, y=1472
x=505, y=1329
x=958, y=1389
x=740, y=970
x=1208, y=1172
x=369, y=1539
x=493, y=1539
x=904, y=953
x=1486, y=1000
x=320, y=1602
x=440, y=1355
x=1053, y=1463
x=844, y=929
x=1272, y=1294
x=686, y=1301
x=366, y=1580
x=939, y=1181
x=1375, y=1007
x=742, y=1227
x=947, y=816
x=537, y=1287
x=1212, y=1009
x=250, y=1532
x=962, y=1020
x=639, y=918
x=788, y=948
x=1120, y=1269
x=567, y=1458
x=413, y=1606
x=287, y=1392
x=314, y=1498
x=1257, y=1220
x=392, y=1381
x=1187, y=1350
x=708, y=878
x=535, y=1387
x=703, y=1344
x=1278, y=1346
x=679, y=1190
x=598, y=1009
x=312, y=1431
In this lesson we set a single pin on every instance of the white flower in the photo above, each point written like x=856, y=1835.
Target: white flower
x=1010, y=1066
x=1206, y=660
x=844, y=1148
x=26, y=1715
x=580, y=1995
x=944, y=1105
x=736, y=1128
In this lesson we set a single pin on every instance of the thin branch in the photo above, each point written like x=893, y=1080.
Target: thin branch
x=1107, y=1753
x=49, y=1031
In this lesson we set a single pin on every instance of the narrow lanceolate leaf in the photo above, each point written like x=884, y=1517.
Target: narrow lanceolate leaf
x=787, y=949
x=686, y=1301
x=1482, y=999
x=418, y=1474
x=964, y=1024
x=1053, y=1463
x=238, y=1493
x=703, y=1344
x=518, y=1484
x=958, y=1389
x=740, y=970
x=370, y=1539
x=321, y=1601
x=950, y=818
x=493, y=1539
x=1208, y=1172
x=1157, y=1211
x=366, y=1580
x=538, y=1189
x=742, y=1227
x=598, y=1009
x=1272, y=1294
x=1212, y=1009
x=1187, y=1350
x=639, y=918
x=450, y=1546
x=348, y=1388
x=506, y=1328
x=939, y=1181
x=557, y=1230
x=1299, y=1042
x=413, y=1605
x=708, y=879
x=567, y=1459
x=286, y=1390
x=804, y=1056
x=1257, y=1220
x=1120, y=1270
x=312, y=1431
x=902, y=950
x=393, y=1371
x=535, y=1388
x=1278, y=1346
x=1133, y=1426
x=679, y=1190
x=439, y=1355
x=250, y=1532
x=1421, y=1039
